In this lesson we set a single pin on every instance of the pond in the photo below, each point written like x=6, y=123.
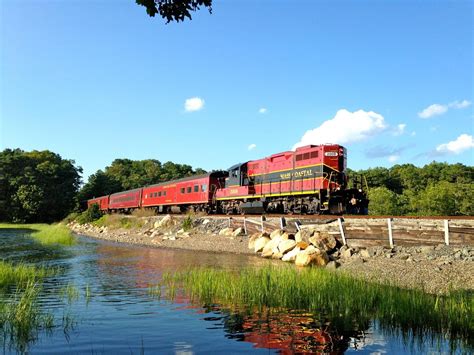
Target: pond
x=112, y=311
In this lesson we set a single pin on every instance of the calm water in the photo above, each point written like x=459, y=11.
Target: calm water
x=120, y=317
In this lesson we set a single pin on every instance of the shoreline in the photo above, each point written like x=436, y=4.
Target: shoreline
x=435, y=269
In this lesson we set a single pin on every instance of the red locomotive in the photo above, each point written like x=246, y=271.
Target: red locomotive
x=310, y=180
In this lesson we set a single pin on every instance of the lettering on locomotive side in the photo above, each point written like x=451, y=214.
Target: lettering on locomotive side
x=309, y=172
x=233, y=191
x=297, y=174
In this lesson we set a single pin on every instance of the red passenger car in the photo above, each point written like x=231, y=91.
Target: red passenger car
x=102, y=202
x=125, y=200
x=196, y=192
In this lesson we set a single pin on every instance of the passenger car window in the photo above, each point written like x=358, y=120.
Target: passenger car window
x=196, y=188
x=189, y=189
x=203, y=188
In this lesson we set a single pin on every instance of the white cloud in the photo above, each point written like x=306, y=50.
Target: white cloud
x=460, y=104
x=393, y=158
x=462, y=143
x=437, y=109
x=252, y=146
x=345, y=127
x=193, y=104
x=262, y=110
x=433, y=110
x=400, y=129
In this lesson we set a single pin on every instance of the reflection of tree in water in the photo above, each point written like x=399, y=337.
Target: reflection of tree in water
x=288, y=331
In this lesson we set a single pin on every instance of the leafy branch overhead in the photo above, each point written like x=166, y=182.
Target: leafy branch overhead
x=174, y=10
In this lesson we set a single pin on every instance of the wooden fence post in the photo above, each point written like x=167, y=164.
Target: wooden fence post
x=390, y=234
x=245, y=226
x=261, y=224
x=341, y=230
x=446, y=232
x=297, y=226
x=230, y=221
x=282, y=222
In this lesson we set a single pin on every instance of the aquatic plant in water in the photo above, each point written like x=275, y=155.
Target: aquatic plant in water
x=347, y=301
x=22, y=274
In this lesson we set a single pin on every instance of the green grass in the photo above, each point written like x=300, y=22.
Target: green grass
x=20, y=316
x=21, y=274
x=46, y=234
x=344, y=300
x=69, y=292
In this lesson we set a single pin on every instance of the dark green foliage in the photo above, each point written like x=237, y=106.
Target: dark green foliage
x=37, y=186
x=174, y=10
x=126, y=174
x=435, y=189
x=187, y=223
x=92, y=214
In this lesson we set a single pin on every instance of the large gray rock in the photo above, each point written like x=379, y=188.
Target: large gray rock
x=303, y=259
x=286, y=245
x=291, y=255
x=319, y=258
x=271, y=247
x=237, y=232
x=226, y=231
x=276, y=233
x=252, y=239
x=166, y=221
x=260, y=244
x=346, y=254
x=303, y=235
x=323, y=240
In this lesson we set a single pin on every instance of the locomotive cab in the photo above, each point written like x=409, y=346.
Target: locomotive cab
x=237, y=176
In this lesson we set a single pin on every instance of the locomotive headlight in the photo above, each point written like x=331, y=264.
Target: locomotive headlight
x=331, y=154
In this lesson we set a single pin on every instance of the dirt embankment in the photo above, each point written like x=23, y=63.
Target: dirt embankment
x=436, y=269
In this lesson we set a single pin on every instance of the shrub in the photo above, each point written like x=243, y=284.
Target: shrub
x=187, y=223
x=92, y=214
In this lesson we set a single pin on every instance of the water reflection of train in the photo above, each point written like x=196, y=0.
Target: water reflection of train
x=289, y=332
x=134, y=270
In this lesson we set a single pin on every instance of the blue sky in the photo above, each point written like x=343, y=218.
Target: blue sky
x=98, y=80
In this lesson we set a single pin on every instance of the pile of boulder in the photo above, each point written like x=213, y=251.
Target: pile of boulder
x=306, y=247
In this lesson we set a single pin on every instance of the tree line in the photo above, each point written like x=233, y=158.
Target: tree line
x=435, y=189
x=41, y=186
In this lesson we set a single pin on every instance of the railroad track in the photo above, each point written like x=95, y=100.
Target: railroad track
x=323, y=217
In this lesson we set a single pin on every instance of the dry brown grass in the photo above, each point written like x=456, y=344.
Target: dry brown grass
x=143, y=213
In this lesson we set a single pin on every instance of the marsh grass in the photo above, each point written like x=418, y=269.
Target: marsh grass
x=22, y=274
x=55, y=234
x=343, y=299
x=46, y=234
x=69, y=293
x=21, y=317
